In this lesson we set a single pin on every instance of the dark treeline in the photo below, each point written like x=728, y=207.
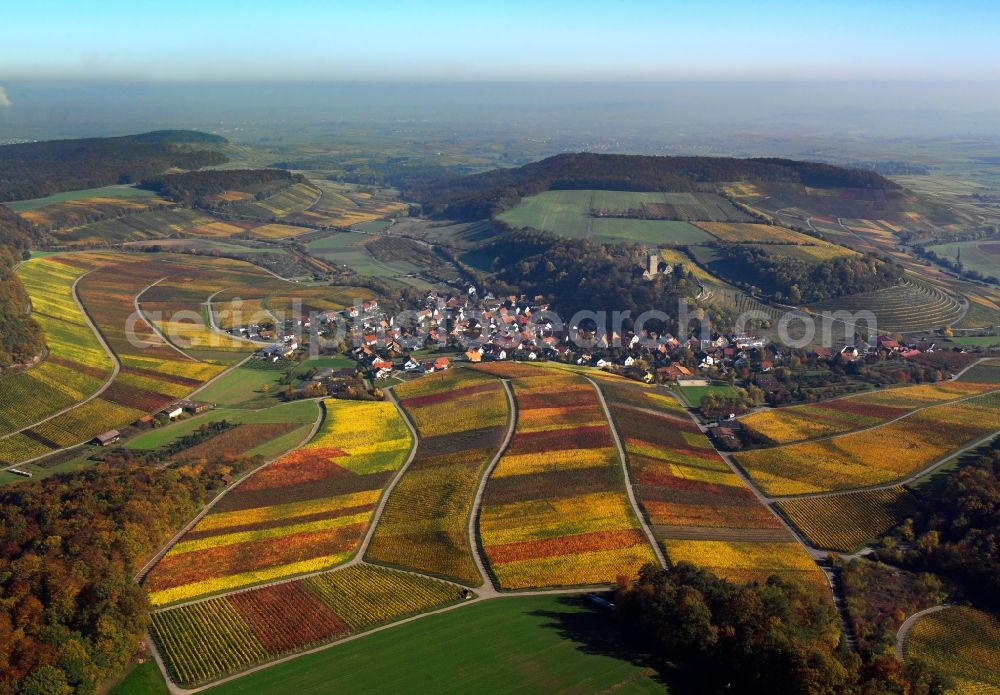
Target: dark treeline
x=778, y=637
x=38, y=169
x=577, y=274
x=21, y=337
x=70, y=615
x=195, y=187
x=482, y=195
x=796, y=280
x=955, y=266
x=956, y=530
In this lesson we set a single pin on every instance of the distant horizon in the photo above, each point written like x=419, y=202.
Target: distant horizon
x=609, y=114
x=444, y=40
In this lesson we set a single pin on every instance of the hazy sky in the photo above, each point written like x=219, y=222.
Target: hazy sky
x=466, y=40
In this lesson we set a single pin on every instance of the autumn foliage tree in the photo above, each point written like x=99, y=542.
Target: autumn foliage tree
x=70, y=615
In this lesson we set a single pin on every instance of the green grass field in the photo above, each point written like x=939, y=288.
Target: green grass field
x=509, y=645
x=105, y=192
x=982, y=255
x=371, y=227
x=976, y=340
x=326, y=362
x=568, y=213
x=694, y=394
x=66, y=462
x=242, y=387
x=143, y=679
x=302, y=412
x=347, y=248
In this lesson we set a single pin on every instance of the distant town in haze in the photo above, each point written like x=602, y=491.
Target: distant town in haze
x=597, y=347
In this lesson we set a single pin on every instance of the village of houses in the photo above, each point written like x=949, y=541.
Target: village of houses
x=469, y=328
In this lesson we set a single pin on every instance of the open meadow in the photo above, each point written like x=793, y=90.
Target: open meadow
x=550, y=643
x=982, y=256
x=604, y=215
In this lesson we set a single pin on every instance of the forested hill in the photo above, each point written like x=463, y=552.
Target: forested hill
x=37, y=169
x=20, y=337
x=481, y=195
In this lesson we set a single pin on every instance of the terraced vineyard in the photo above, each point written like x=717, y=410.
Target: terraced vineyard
x=209, y=639
x=281, y=205
x=875, y=456
x=70, y=211
x=153, y=374
x=699, y=510
x=175, y=305
x=461, y=417
x=963, y=643
x=305, y=512
x=555, y=511
x=848, y=522
x=840, y=415
x=909, y=306
x=343, y=205
x=76, y=365
x=742, y=303
x=154, y=224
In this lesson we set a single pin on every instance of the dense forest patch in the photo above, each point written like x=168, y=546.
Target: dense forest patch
x=37, y=169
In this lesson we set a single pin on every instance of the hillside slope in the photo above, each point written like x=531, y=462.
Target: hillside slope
x=38, y=169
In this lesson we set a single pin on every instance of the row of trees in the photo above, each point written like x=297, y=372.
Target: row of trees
x=800, y=281
x=21, y=337
x=720, y=405
x=778, y=637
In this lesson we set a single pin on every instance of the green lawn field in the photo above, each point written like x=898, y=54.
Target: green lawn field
x=302, y=412
x=326, y=362
x=372, y=226
x=348, y=248
x=105, y=192
x=543, y=644
x=144, y=679
x=976, y=340
x=242, y=387
x=66, y=462
x=568, y=213
x=694, y=394
x=982, y=255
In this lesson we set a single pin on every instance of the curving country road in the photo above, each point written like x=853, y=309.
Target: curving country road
x=489, y=587
x=144, y=570
x=116, y=366
x=488, y=591
x=152, y=324
x=904, y=629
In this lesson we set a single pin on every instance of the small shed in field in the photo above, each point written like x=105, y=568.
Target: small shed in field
x=108, y=438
